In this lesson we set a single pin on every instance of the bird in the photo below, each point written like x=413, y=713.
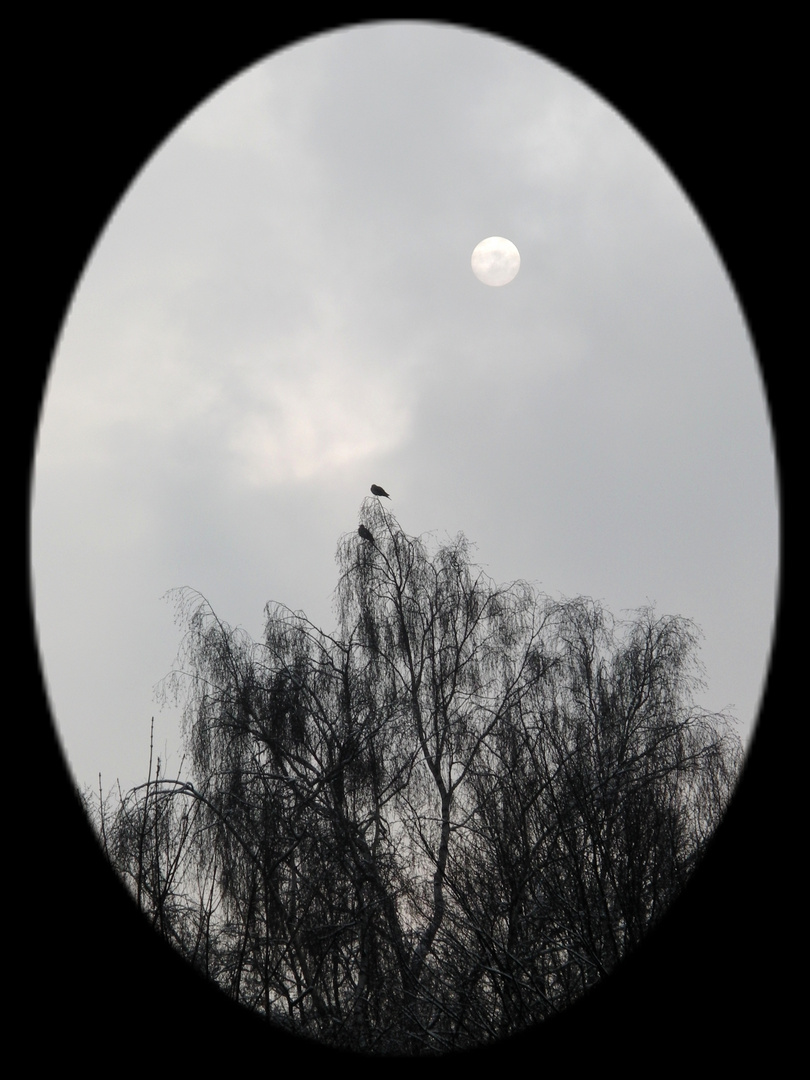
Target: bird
x=365, y=534
x=377, y=490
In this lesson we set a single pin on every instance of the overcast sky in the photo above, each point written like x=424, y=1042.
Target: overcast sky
x=282, y=312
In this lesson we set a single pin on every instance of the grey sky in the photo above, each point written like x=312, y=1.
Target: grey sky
x=282, y=311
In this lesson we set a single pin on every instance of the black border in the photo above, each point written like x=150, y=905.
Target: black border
x=707, y=990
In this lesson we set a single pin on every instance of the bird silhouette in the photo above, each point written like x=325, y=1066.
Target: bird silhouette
x=377, y=490
x=365, y=534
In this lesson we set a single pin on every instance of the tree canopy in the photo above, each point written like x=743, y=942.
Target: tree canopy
x=439, y=823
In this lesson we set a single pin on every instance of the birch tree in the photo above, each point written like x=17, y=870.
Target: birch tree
x=440, y=822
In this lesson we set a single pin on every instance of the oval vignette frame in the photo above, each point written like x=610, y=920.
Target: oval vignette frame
x=657, y=990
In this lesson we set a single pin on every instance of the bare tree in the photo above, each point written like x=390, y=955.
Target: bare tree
x=152, y=839
x=438, y=824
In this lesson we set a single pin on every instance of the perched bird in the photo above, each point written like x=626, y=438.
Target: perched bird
x=377, y=490
x=365, y=533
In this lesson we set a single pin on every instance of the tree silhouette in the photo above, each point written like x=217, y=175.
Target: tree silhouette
x=438, y=824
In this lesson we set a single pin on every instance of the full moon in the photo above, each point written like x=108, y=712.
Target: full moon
x=495, y=261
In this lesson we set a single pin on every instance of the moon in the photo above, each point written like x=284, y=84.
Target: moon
x=495, y=261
